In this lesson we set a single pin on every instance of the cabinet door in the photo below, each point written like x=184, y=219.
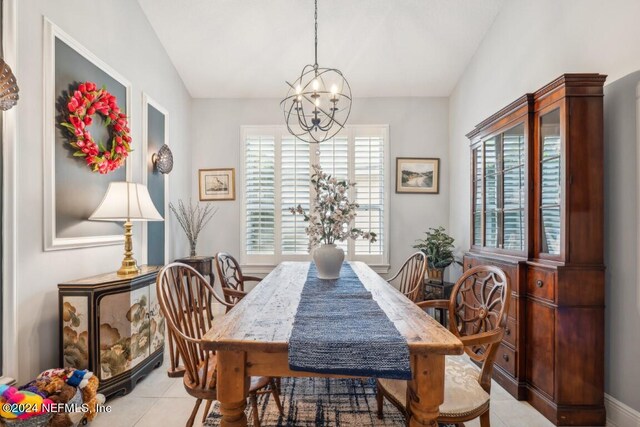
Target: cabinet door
x=139, y=319
x=492, y=194
x=499, y=185
x=513, y=189
x=75, y=331
x=541, y=346
x=550, y=183
x=478, y=196
x=157, y=323
x=114, y=334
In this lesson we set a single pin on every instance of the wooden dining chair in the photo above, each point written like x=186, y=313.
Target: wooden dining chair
x=410, y=278
x=184, y=297
x=477, y=316
x=231, y=279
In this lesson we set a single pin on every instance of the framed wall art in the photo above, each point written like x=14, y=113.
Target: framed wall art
x=72, y=190
x=417, y=175
x=217, y=184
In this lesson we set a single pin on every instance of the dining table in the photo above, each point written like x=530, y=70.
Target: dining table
x=253, y=338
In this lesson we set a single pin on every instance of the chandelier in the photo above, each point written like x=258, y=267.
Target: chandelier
x=318, y=103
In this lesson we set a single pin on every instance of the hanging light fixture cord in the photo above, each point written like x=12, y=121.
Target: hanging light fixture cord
x=315, y=17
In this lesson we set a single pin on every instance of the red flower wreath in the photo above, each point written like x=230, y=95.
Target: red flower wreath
x=86, y=101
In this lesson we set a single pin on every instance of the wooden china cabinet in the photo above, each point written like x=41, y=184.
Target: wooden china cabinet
x=537, y=213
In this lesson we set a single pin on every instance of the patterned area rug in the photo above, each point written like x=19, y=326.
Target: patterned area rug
x=322, y=402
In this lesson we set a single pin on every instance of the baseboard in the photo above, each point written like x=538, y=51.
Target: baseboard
x=619, y=414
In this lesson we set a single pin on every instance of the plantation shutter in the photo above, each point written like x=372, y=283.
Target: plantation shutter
x=369, y=178
x=334, y=160
x=275, y=174
x=295, y=190
x=260, y=195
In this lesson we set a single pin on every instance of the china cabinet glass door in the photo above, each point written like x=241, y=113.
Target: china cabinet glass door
x=550, y=182
x=498, y=211
x=513, y=206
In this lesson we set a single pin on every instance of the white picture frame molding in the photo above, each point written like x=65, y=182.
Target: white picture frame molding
x=10, y=354
x=51, y=241
x=638, y=182
x=146, y=160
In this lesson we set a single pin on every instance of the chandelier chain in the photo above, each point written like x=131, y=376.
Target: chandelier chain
x=315, y=17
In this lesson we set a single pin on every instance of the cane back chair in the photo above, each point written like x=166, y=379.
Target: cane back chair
x=477, y=313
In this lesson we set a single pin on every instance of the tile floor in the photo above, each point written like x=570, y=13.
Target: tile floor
x=162, y=401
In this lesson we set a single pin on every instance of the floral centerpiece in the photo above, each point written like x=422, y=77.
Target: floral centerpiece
x=330, y=219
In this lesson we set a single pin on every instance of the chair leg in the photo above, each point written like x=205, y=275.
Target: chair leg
x=253, y=397
x=192, y=418
x=485, y=419
x=206, y=410
x=275, y=391
x=379, y=400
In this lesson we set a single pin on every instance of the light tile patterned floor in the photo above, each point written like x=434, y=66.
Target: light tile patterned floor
x=162, y=401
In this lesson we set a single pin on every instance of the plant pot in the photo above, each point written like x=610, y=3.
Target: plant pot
x=328, y=259
x=435, y=274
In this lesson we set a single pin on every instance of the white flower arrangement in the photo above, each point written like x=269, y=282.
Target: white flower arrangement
x=332, y=212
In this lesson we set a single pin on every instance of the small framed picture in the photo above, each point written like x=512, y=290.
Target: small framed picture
x=417, y=175
x=217, y=184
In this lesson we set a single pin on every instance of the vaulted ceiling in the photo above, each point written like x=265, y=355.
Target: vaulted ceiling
x=248, y=48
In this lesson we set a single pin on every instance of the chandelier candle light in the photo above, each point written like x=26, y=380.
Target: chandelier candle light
x=318, y=103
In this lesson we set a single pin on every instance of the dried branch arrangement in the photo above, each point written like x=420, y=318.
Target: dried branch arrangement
x=192, y=219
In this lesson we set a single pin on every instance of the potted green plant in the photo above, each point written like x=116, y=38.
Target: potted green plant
x=438, y=247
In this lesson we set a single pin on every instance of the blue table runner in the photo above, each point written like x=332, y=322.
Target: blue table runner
x=340, y=329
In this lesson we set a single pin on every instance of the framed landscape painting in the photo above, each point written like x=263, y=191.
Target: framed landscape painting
x=217, y=184
x=417, y=175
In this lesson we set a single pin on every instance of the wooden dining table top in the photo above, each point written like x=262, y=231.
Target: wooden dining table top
x=263, y=320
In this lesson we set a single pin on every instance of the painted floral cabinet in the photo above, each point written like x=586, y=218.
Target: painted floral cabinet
x=112, y=326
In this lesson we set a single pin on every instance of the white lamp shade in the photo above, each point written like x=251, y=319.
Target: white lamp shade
x=126, y=201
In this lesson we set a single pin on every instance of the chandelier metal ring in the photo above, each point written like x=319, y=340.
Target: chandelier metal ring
x=318, y=102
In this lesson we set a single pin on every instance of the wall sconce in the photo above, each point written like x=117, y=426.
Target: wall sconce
x=8, y=87
x=163, y=159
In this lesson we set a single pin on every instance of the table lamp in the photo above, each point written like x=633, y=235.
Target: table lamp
x=128, y=202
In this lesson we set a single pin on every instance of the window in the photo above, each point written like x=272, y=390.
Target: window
x=274, y=177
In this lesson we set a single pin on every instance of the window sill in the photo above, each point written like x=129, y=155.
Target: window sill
x=266, y=269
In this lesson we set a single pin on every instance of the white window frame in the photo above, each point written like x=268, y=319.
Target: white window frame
x=262, y=264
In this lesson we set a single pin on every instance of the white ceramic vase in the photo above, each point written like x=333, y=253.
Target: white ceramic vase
x=328, y=259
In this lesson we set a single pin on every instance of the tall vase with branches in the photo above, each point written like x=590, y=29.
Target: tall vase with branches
x=330, y=220
x=192, y=218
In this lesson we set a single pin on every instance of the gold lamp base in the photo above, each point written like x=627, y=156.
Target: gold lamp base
x=129, y=265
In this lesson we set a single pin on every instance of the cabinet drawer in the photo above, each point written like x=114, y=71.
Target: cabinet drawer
x=511, y=332
x=506, y=359
x=541, y=283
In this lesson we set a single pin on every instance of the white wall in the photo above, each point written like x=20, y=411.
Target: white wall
x=118, y=32
x=418, y=127
x=531, y=43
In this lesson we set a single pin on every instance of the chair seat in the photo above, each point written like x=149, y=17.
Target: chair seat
x=256, y=382
x=463, y=394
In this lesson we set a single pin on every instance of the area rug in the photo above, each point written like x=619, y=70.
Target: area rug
x=321, y=402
